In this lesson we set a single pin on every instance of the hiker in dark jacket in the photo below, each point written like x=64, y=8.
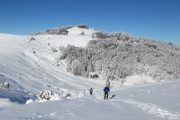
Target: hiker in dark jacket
x=106, y=91
x=91, y=91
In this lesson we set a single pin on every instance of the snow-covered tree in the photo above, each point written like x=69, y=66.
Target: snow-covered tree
x=116, y=56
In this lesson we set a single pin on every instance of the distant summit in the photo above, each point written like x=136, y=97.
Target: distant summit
x=116, y=55
x=60, y=30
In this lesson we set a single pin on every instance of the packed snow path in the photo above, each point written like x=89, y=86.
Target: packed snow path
x=126, y=105
x=152, y=109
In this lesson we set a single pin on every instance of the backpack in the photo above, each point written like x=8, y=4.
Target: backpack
x=106, y=89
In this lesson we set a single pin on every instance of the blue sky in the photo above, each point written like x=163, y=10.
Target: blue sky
x=154, y=19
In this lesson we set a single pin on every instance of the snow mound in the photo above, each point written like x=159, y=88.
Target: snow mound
x=79, y=31
x=137, y=80
x=6, y=102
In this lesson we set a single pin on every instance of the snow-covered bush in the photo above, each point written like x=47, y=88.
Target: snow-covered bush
x=121, y=56
x=61, y=31
x=82, y=33
x=45, y=95
x=54, y=50
x=170, y=43
x=32, y=39
x=102, y=35
x=55, y=31
x=5, y=85
x=53, y=95
x=117, y=36
x=83, y=26
x=93, y=75
x=150, y=44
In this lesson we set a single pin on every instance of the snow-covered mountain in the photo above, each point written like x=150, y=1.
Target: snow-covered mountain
x=31, y=65
x=31, y=62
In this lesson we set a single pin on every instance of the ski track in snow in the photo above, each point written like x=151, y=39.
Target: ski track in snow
x=152, y=109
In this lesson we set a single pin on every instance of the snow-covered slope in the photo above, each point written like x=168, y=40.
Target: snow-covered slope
x=153, y=102
x=30, y=64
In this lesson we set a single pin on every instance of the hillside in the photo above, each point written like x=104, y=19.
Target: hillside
x=30, y=62
x=50, y=74
x=119, y=56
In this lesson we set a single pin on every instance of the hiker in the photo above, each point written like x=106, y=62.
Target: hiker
x=106, y=91
x=91, y=91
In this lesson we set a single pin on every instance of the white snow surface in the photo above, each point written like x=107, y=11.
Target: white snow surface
x=30, y=66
